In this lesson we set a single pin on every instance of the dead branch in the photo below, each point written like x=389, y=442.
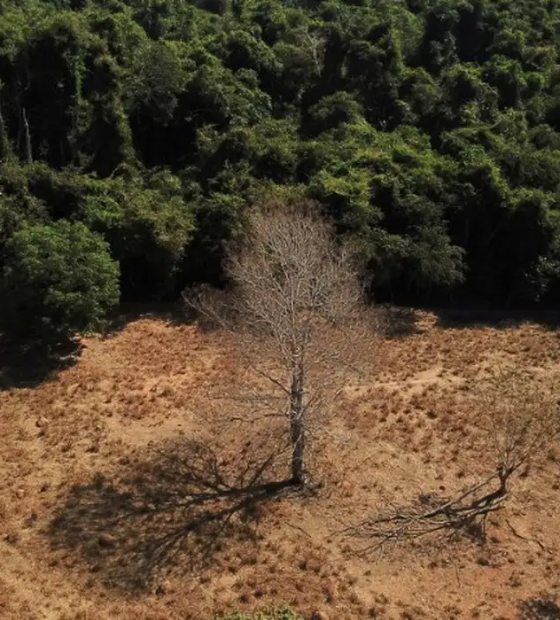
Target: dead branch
x=430, y=514
x=520, y=414
x=518, y=535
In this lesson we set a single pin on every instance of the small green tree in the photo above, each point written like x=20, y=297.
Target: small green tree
x=57, y=279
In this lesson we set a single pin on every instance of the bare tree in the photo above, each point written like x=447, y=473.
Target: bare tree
x=518, y=421
x=520, y=415
x=294, y=302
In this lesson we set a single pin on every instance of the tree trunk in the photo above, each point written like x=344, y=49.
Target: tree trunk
x=4, y=140
x=297, y=426
x=27, y=151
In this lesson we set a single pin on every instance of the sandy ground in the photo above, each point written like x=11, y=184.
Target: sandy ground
x=97, y=461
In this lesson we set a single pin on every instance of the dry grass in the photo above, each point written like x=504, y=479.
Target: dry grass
x=81, y=450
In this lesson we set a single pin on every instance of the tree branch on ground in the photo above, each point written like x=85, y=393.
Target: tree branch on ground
x=520, y=419
x=431, y=514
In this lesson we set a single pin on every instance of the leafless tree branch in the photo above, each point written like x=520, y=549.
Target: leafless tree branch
x=294, y=304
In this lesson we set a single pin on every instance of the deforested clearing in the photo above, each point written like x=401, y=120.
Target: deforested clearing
x=130, y=489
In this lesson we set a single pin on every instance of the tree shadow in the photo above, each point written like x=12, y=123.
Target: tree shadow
x=28, y=363
x=399, y=322
x=539, y=609
x=465, y=318
x=171, y=511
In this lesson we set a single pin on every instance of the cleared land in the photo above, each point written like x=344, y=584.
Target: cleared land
x=110, y=511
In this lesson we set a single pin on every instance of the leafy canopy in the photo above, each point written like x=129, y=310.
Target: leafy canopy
x=57, y=279
x=430, y=129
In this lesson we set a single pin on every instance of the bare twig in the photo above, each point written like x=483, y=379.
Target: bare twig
x=521, y=418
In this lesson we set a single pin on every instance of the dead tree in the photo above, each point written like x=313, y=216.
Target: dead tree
x=431, y=514
x=293, y=305
x=519, y=419
x=520, y=414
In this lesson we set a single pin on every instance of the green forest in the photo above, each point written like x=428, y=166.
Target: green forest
x=135, y=135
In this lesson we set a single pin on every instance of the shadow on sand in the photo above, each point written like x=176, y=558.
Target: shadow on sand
x=403, y=321
x=497, y=318
x=170, y=511
x=171, y=312
x=26, y=364
x=399, y=322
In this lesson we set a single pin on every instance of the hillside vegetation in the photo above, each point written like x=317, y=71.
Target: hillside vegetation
x=428, y=129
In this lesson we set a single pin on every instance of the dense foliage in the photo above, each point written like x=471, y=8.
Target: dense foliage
x=430, y=130
x=57, y=279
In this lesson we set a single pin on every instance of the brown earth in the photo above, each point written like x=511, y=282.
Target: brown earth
x=97, y=459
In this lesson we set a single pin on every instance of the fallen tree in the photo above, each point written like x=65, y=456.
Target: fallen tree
x=430, y=514
x=519, y=420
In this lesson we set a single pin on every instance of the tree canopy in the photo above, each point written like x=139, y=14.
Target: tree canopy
x=57, y=279
x=429, y=130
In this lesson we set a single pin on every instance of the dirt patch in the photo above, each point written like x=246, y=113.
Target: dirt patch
x=96, y=476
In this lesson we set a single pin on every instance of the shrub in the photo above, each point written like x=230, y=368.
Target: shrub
x=57, y=279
